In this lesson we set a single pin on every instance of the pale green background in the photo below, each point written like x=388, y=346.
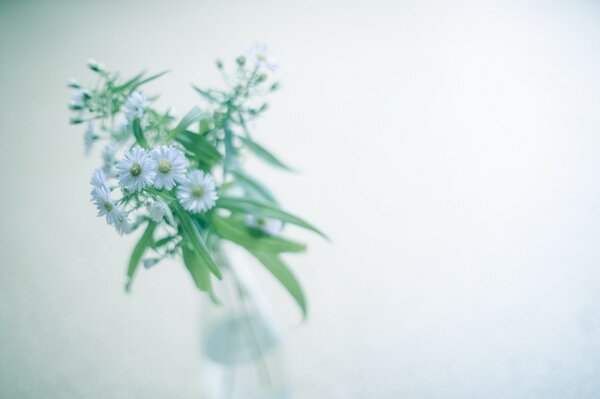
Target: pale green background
x=450, y=149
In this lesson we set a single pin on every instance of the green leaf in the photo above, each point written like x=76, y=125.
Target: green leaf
x=138, y=251
x=139, y=134
x=253, y=186
x=281, y=272
x=191, y=117
x=163, y=241
x=198, y=269
x=253, y=207
x=199, y=146
x=148, y=79
x=207, y=94
x=235, y=230
x=190, y=232
x=263, y=154
x=130, y=82
x=204, y=126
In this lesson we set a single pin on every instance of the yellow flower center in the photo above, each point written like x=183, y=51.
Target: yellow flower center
x=135, y=170
x=108, y=206
x=197, y=192
x=164, y=166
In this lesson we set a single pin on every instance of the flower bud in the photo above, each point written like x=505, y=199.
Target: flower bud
x=275, y=86
x=241, y=60
x=261, y=78
x=219, y=64
x=76, y=120
x=73, y=84
x=73, y=106
x=94, y=65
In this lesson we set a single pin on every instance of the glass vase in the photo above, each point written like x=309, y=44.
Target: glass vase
x=242, y=352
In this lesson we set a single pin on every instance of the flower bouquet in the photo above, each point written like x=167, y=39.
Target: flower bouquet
x=182, y=181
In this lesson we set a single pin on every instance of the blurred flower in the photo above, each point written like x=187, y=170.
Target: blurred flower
x=136, y=170
x=106, y=207
x=121, y=222
x=197, y=192
x=134, y=106
x=109, y=159
x=268, y=226
x=120, y=130
x=99, y=180
x=259, y=54
x=171, y=166
x=157, y=210
x=77, y=100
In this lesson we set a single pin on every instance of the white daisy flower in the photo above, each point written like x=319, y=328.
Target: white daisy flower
x=157, y=210
x=99, y=180
x=121, y=222
x=259, y=54
x=268, y=226
x=136, y=170
x=113, y=213
x=77, y=100
x=171, y=166
x=197, y=192
x=89, y=137
x=134, y=106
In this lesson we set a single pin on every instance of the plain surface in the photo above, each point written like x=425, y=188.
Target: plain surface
x=450, y=150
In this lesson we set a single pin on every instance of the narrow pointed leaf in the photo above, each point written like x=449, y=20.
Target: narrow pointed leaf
x=257, y=208
x=197, y=268
x=149, y=79
x=263, y=154
x=191, y=117
x=206, y=94
x=139, y=134
x=138, y=251
x=281, y=272
x=190, y=232
x=235, y=230
x=254, y=186
x=198, y=145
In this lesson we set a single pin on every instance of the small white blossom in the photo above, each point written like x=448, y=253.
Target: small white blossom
x=134, y=106
x=157, y=210
x=77, y=100
x=136, y=170
x=89, y=137
x=73, y=84
x=197, y=192
x=99, y=180
x=94, y=65
x=106, y=207
x=259, y=54
x=269, y=226
x=121, y=223
x=109, y=159
x=171, y=166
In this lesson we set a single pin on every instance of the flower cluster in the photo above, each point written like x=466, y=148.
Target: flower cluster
x=182, y=180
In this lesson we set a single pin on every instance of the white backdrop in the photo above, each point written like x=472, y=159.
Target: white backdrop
x=449, y=149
